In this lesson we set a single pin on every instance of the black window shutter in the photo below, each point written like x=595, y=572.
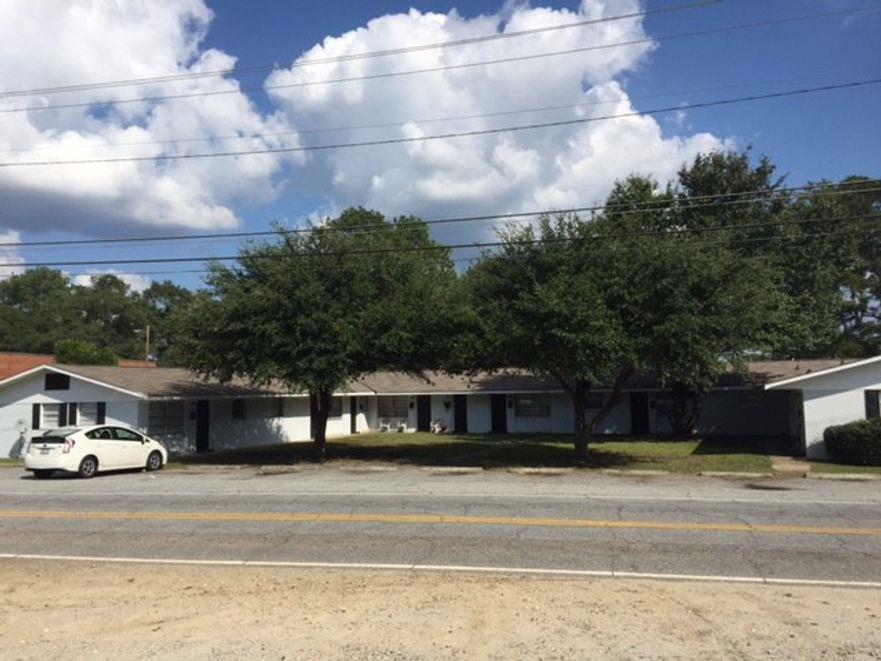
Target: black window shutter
x=873, y=405
x=62, y=415
x=72, y=414
x=102, y=410
x=35, y=416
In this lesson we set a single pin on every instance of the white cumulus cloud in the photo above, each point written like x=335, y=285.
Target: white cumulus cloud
x=103, y=41
x=510, y=171
x=135, y=281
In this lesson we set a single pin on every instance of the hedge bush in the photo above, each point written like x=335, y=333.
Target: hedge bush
x=857, y=443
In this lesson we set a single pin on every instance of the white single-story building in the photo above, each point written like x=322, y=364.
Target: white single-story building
x=784, y=400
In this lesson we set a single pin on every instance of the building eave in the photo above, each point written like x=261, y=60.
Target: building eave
x=821, y=373
x=75, y=375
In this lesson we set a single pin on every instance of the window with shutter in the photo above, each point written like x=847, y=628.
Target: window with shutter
x=532, y=406
x=88, y=414
x=51, y=416
x=165, y=418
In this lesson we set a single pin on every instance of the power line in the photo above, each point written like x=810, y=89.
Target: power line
x=399, y=123
x=693, y=244
x=357, y=56
x=444, y=136
x=713, y=200
x=430, y=248
x=448, y=67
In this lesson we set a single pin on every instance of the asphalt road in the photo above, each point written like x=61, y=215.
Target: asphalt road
x=814, y=530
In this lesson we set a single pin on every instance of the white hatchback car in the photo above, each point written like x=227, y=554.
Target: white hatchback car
x=88, y=450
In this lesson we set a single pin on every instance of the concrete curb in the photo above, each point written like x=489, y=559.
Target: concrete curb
x=452, y=470
x=741, y=474
x=635, y=472
x=365, y=469
x=204, y=468
x=284, y=469
x=850, y=477
x=542, y=471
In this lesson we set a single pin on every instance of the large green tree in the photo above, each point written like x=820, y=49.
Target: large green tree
x=315, y=309
x=544, y=303
x=590, y=301
x=693, y=306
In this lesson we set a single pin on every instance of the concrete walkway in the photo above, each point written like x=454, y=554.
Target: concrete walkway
x=790, y=466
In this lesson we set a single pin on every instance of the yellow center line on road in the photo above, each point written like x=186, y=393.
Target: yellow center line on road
x=440, y=519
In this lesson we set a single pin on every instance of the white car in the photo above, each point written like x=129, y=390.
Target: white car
x=89, y=450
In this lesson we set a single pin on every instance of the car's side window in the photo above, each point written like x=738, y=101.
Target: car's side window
x=102, y=433
x=125, y=435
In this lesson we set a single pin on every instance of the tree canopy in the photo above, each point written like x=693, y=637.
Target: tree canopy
x=78, y=352
x=41, y=308
x=589, y=302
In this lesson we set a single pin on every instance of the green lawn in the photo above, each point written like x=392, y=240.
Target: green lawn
x=10, y=462
x=828, y=467
x=502, y=451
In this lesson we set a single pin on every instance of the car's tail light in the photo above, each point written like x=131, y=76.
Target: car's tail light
x=69, y=444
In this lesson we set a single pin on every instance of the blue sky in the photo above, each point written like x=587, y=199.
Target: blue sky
x=828, y=135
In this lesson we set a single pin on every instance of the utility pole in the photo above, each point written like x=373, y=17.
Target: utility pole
x=147, y=344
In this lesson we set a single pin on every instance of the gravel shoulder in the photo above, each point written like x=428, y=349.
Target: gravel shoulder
x=58, y=610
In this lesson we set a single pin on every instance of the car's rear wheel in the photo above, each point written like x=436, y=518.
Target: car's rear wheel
x=88, y=467
x=154, y=461
x=43, y=474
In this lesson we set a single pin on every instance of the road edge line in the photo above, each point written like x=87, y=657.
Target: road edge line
x=525, y=571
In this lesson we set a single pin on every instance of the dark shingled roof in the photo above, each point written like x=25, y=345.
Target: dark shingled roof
x=176, y=382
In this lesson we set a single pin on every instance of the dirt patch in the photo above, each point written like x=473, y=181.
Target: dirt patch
x=107, y=611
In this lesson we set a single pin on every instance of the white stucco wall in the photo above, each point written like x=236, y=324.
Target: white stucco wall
x=825, y=408
x=370, y=415
x=834, y=399
x=562, y=418
x=262, y=425
x=17, y=399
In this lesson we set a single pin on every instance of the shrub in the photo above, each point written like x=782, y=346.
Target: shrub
x=857, y=443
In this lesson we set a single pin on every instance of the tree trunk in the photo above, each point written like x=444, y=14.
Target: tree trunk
x=578, y=393
x=613, y=400
x=319, y=411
